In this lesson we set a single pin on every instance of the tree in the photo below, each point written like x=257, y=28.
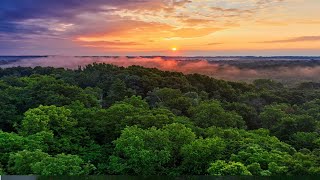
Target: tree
x=221, y=168
x=171, y=98
x=198, y=154
x=312, y=108
x=303, y=163
x=247, y=112
x=22, y=161
x=255, y=169
x=1, y=170
x=46, y=90
x=240, y=139
x=132, y=111
x=276, y=169
x=47, y=118
x=157, y=117
x=179, y=136
x=8, y=111
x=289, y=125
x=261, y=162
x=118, y=91
x=272, y=114
x=12, y=142
x=211, y=113
x=136, y=101
x=308, y=140
x=62, y=164
x=67, y=136
x=140, y=152
x=267, y=84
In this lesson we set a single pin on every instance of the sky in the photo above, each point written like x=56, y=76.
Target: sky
x=155, y=27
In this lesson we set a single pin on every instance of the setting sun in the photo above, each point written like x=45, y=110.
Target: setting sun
x=174, y=49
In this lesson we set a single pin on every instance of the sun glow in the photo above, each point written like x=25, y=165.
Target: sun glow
x=174, y=49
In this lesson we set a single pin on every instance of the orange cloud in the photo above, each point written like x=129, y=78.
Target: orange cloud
x=193, y=32
x=293, y=40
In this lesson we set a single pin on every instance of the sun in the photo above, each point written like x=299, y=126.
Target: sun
x=174, y=49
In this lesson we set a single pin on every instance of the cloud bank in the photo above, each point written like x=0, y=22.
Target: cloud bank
x=100, y=27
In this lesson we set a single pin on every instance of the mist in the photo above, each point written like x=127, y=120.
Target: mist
x=202, y=66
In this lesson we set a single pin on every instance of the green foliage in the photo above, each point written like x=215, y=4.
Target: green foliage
x=198, y=154
x=312, y=108
x=149, y=118
x=221, y=168
x=22, y=161
x=247, y=112
x=140, y=152
x=179, y=135
x=118, y=91
x=272, y=114
x=309, y=140
x=1, y=170
x=104, y=119
x=267, y=84
x=256, y=154
x=8, y=111
x=237, y=140
x=173, y=99
x=211, y=113
x=62, y=164
x=11, y=142
x=292, y=124
x=136, y=101
x=255, y=169
x=47, y=118
x=276, y=169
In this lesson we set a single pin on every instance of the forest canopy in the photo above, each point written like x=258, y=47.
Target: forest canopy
x=104, y=119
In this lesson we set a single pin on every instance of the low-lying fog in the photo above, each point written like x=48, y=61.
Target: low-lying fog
x=242, y=70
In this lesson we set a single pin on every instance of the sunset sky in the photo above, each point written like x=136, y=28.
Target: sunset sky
x=156, y=27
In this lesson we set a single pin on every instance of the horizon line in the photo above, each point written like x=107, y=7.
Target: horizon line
x=158, y=56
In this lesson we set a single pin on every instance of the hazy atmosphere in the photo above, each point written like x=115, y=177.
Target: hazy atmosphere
x=284, y=69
